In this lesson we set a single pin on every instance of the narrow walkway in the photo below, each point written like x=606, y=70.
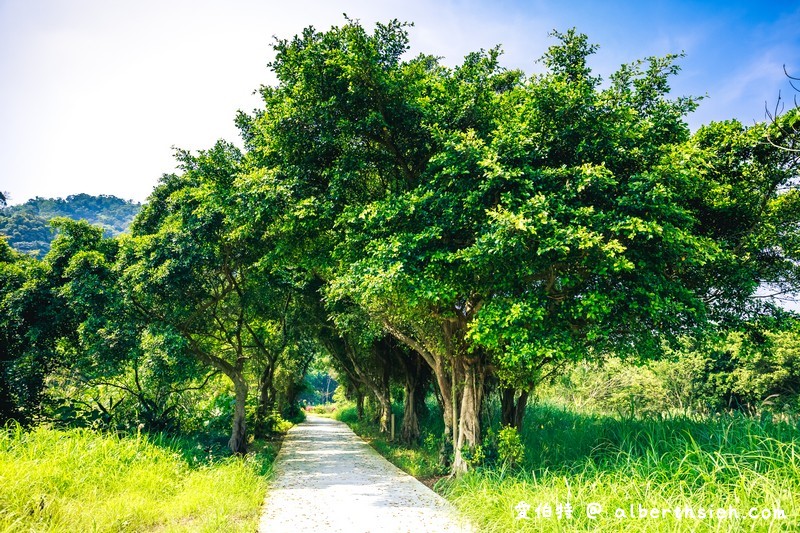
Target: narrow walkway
x=328, y=479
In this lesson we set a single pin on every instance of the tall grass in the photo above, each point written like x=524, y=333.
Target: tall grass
x=626, y=470
x=79, y=480
x=632, y=468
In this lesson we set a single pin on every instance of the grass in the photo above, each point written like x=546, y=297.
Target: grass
x=574, y=460
x=80, y=480
x=422, y=462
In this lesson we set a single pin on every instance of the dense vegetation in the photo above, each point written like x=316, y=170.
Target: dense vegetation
x=462, y=235
x=26, y=226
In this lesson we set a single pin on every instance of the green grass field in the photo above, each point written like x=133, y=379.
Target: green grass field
x=80, y=480
x=726, y=473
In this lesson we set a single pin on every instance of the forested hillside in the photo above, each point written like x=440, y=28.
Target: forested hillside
x=27, y=226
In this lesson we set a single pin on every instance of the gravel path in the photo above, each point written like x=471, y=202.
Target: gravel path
x=328, y=479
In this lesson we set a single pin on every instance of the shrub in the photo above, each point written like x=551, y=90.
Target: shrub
x=340, y=394
x=510, y=450
x=346, y=413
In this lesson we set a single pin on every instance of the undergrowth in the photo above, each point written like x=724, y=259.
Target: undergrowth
x=80, y=480
x=728, y=472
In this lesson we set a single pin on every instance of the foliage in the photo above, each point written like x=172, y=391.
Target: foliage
x=18, y=376
x=735, y=371
x=340, y=395
x=28, y=233
x=320, y=387
x=346, y=412
x=193, y=270
x=274, y=424
x=410, y=223
x=628, y=389
x=509, y=447
x=528, y=221
x=743, y=373
x=49, y=311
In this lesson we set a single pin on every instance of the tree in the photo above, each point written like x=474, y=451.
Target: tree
x=749, y=203
x=337, y=131
x=182, y=270
x=142, y=368
x=15, y=271
x=43, y=320
x=499, y=225
x=480, y=224
x=350, y=123
x=541, y=230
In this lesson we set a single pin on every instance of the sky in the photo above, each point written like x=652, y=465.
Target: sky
x=94, y=94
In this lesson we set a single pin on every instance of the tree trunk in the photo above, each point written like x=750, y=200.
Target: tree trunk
x=417, y=375
x=409, y=431
x=266, y=400
x=445, y=397
x=440, y=353
x=385, y=406
x=378, y=385
x=512, y=411
x=238, y=440
x=359, y=404
x=421, y=393
x=469, y=427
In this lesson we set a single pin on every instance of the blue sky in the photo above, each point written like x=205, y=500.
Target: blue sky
x=94, y=93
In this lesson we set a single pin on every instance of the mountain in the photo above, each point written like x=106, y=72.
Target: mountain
x=27, y=226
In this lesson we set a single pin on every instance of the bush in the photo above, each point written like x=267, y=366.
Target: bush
x=340, y=394
x=346, y=413
x=510, y=450
x=293, y=413
x=755, y=371
x=746, y=372
x=277, y=424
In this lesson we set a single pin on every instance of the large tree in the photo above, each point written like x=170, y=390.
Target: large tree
x=193, y=266
x=350, y=124
x=497, y=224
x=544, y=227
x=15, y=272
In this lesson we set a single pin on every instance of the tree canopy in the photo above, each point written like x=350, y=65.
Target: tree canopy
x=499, y=224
